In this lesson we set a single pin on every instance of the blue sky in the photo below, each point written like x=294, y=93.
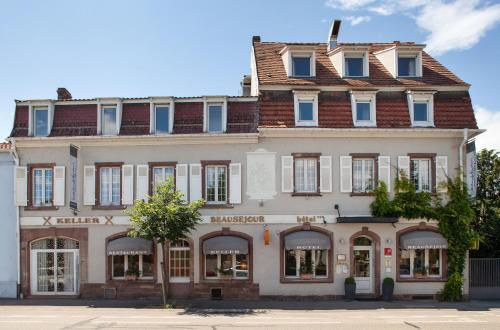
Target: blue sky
x=185, y=48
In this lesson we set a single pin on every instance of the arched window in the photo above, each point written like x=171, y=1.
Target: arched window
x=180, y=261
x=54, y=266
x=226, y=257
x=306, y=255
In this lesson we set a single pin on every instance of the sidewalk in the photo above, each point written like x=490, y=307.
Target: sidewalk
x=250, y=306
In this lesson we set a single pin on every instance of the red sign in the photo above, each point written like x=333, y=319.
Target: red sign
x=387, y=252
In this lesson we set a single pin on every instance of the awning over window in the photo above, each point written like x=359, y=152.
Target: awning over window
x=422, y=239
x=307, y=240
x=129, y=246
x=225, y=245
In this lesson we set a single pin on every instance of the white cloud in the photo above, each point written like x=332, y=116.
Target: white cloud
x=489, y=120
x=456, y=25
x=348, y=4
x=451, y=25
x=355, y=20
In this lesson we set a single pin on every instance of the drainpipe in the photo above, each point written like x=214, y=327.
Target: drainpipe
x=18, y=223
x=461, y=153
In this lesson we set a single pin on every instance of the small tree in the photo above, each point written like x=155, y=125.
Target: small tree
x=165, y=217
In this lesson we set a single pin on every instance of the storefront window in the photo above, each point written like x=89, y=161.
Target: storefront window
x=300, y=262
x=118, y=266
x=123, y=263
x=226, y=265
x=211, y=265
x=420, y=263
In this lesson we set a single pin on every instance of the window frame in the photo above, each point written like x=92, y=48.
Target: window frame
x=364, y=57
x=98, y=204
x=162, y=105
x=426, y=264
x=421, y=97
x=125, y=268
x=295, y=55
x=418, y=63
x=364, y=97
x=181, y=279
x=432, y=171
x=152, y=166
x=363, y=183
x=313, y=266
x=102, y=110
x=39, y=109
x=220, y=163
x=30, y=173
x=219, y=265
x=302, y=96
x=214, y=101
x=316, y=157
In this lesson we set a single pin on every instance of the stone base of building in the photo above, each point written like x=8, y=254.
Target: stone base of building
x=120, y=290
x=230, y=290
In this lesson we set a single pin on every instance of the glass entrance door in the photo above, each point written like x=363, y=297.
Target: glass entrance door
x=363, y=267
x=54, y=267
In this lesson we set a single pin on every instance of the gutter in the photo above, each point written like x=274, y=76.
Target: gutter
x=461, y=153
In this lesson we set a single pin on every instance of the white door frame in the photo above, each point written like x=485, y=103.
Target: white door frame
x=33, y=270
x=371, y=279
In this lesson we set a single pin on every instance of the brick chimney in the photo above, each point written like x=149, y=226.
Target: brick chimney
x=255, y=39
x=63, y=94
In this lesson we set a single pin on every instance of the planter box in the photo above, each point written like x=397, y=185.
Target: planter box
x=131, y=277
x=306, y=277
x=350, y=291
x=387, y=291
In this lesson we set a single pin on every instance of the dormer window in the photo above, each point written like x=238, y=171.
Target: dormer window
x=306, y=108
x=356, y=64
x=301, y=65
x=109, y=116
x=421, y=107
x=41, y=121
x=299, y=61
x=108, y=120
x=363, y=108
x=162, y=120
x=215, y=117
x=407, y=65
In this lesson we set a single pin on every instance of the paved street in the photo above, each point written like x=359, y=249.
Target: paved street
x=227, y=315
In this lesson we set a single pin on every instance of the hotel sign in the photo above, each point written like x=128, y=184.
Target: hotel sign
x=238, y=219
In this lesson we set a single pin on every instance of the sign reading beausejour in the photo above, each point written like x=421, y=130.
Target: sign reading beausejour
x=238, y=219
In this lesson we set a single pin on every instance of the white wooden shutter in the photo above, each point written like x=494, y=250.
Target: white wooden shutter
x=195, y=182
x=325, y=172
x=142, y=182
x=127, y=184
x=59, y=185
x=404, y=165
x=442, y=173
x=89, y=185
x=21, y=174
x=235, y=183
x=181, y=179
x=287, y=174
x=384, y=170
x=346, y=174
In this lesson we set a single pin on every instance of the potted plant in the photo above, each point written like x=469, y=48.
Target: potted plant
x=132, y=274
x=387, y=288
x=306, y=271
x=420, y=272
x=350, y=288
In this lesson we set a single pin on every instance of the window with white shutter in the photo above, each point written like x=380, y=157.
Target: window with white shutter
x=142, y=182
x=127, y=184
x=195, y=187
x=89, y=185
x=181, y=179
x=235, y=183
x=59, y=185
x=287, y=174
x=441, y=173
x=384, y=170
x=21, y=173
x=346, y=174
x=325, y=165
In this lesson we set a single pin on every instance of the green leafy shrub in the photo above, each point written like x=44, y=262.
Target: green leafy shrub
x=350, y=280
x=389, y=280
